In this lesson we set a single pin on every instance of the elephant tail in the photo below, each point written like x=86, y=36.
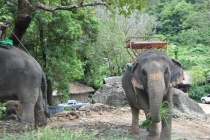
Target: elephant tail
x=44, y=91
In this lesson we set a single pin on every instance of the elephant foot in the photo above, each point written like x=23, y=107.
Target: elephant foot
x=40, y=120
x=163, y=137
x=134, y=130
x=157, y=137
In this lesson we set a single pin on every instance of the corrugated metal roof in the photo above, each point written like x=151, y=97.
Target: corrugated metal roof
x=76, y=88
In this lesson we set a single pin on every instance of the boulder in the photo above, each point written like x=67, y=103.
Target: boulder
x=14, y=107
x=184, y=104
x=111, y=94
x=97, y=107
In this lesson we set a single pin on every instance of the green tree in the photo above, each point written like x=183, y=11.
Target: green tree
x=59, y=49
x=107, y=57
x=26, y=9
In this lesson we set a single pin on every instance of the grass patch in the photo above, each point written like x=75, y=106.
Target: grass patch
x=48, y=133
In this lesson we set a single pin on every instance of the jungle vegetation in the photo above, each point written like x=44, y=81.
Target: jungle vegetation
x=83, y=41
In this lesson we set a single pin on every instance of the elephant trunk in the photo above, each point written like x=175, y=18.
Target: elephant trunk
x=155, y=112
x=156, y=91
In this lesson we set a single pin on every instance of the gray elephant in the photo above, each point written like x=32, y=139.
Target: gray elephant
x=149, y=83
x=21, y=78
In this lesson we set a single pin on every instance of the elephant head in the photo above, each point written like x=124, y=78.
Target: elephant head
x=156, y=73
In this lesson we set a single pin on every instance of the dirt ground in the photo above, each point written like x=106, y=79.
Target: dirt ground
x=116, y=122
x=101, y=122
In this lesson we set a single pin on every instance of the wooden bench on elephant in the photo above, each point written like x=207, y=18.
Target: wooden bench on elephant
x=137, y=45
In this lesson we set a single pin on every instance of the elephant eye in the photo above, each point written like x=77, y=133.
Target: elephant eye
x=144, y=73
x=166, y=71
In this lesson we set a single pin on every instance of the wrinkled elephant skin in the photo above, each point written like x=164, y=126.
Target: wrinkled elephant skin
x=149, y=84
x=21, y=79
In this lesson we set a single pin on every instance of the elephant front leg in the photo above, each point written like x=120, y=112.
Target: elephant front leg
x=135, y=120
x=166, y=128
x=153, y=132
x=152, y=129
x=167, y=121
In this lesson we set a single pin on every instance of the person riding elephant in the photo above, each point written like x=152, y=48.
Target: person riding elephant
x=3, y=29
x=147, y=85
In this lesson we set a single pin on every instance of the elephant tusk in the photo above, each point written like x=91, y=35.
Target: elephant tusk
x=135, y=93
x=148, y=115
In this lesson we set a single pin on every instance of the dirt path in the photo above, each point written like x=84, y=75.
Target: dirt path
x=205, y=107
x=100, y=124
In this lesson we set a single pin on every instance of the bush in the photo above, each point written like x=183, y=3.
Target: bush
x=2, y=110
x=198, y=91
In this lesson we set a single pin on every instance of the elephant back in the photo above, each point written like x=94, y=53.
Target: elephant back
x=17, y=66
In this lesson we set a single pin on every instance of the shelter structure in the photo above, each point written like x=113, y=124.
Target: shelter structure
x=79, y=92
x=185, y=85
x=56, y=97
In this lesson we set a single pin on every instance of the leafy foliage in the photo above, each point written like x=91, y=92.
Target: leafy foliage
x=63, y=47
x=164, y=113
x=106, y=57
x=54, y=47
x=2, y=110
x=146, y=123
x=197, y=74
x=126, y=7
x=198, y=91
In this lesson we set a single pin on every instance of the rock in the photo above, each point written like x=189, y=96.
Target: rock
x=88, y=112
x=85, y=107
x=110, y=94
x=96, y=107
x=184, y=104
x=74, y=113
x=68, y=114
x=14, y=107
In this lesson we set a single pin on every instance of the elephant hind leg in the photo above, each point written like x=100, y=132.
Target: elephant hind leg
x=40, y=117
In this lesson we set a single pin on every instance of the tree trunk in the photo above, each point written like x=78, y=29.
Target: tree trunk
x=44, y=58
x=49, y=92
x=22, y=21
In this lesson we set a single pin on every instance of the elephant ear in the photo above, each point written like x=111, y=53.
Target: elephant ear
x=136, y=83
x=177, y=73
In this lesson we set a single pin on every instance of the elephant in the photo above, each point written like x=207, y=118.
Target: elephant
x=147, y=83
x=22, y=79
